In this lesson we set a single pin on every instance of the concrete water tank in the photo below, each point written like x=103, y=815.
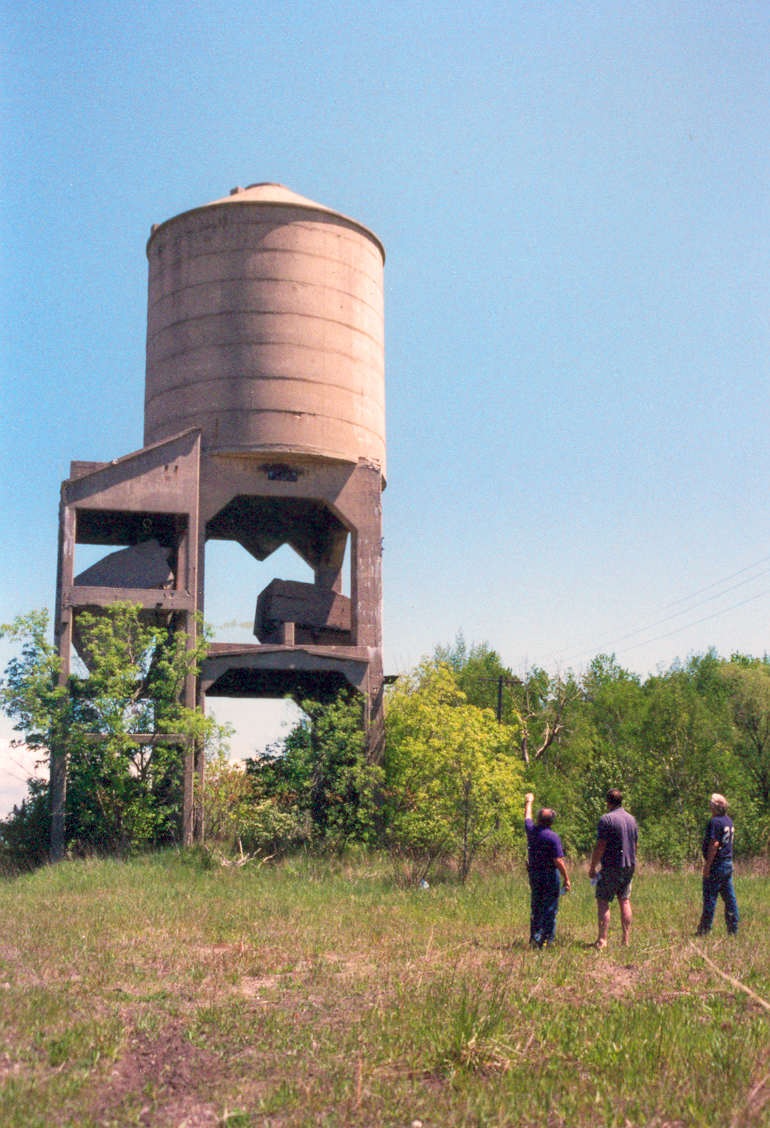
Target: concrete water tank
x=265, y=329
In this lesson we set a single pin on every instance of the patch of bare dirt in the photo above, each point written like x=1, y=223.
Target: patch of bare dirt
x=350, y=965
x=165, y=1081
x=9, y=1067
x=615, y=980
x=756, y=1105
x=257, y=986
x=261, y=987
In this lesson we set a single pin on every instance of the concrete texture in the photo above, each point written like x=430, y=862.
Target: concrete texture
x=315, y=613
x=265, y=328
x=143, y=565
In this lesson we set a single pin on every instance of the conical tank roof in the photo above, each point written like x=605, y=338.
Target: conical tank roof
x=269, y=194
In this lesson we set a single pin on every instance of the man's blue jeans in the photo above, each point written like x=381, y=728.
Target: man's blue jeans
x=545, y=888
x=719, y=883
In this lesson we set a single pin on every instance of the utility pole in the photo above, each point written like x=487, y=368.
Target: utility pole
x=501, y=681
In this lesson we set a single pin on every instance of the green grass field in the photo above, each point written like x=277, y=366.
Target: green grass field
x=158, y=992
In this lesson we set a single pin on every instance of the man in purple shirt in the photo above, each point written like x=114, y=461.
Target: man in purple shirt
x=545, y=862
x=616, y=838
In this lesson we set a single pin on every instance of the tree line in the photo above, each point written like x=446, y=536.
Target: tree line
x=668, y=741
x=465, y=739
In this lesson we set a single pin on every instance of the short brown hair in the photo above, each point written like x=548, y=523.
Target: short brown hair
x=614, y=797
x=545, y=816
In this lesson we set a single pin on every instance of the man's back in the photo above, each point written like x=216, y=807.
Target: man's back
x=544, y=846
x=619, y=832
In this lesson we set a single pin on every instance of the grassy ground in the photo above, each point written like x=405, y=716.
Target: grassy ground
x=160, y=993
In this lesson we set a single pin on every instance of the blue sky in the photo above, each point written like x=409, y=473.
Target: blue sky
x=573, y=201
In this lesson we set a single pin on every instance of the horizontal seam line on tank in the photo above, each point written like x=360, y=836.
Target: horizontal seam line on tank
x=344, y=223
x=241, y=344
x=332, y=387
x=275, y=411
x=269, y=278
x=368, y=306
x=377, y=313
x=261, y=313
x=349, y=237
x=210, y=379
x=155, y=279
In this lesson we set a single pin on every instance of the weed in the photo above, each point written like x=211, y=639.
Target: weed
x=236, y=1119
x=471, y=1042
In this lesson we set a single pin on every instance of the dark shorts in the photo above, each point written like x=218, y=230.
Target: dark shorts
x=614, y=883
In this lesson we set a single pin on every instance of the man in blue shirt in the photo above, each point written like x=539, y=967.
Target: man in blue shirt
x=616, y=839
x=545, y=862
x=718, y=867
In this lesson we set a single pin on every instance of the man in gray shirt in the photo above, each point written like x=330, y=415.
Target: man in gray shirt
x=617, y=836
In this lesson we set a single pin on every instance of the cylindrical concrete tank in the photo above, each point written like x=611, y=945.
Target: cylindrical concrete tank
x=265, y=328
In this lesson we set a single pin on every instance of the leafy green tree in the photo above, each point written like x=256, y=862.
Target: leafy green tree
x=535, y=708
x=479, y=673
x=668, y=743
x=29, y=692
x=451, y=778
x=596, y=747
x=322, y=776
x=123, y=792
x=228, y=795
x=238, y=816
x=748, y=683
x=541, y=706
x=50, y=721
x=25, y=834
x=683, y=760
x=610, y=715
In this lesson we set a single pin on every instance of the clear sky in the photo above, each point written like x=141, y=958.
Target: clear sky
x=573, y=200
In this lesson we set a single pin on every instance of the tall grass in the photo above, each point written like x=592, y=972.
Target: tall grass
x=161, y=992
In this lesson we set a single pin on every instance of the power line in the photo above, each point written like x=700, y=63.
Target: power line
x=697, y=623
x=686, y=610
x=708, y=587
x=604, y=646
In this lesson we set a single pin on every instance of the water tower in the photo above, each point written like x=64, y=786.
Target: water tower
x=264, y=424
